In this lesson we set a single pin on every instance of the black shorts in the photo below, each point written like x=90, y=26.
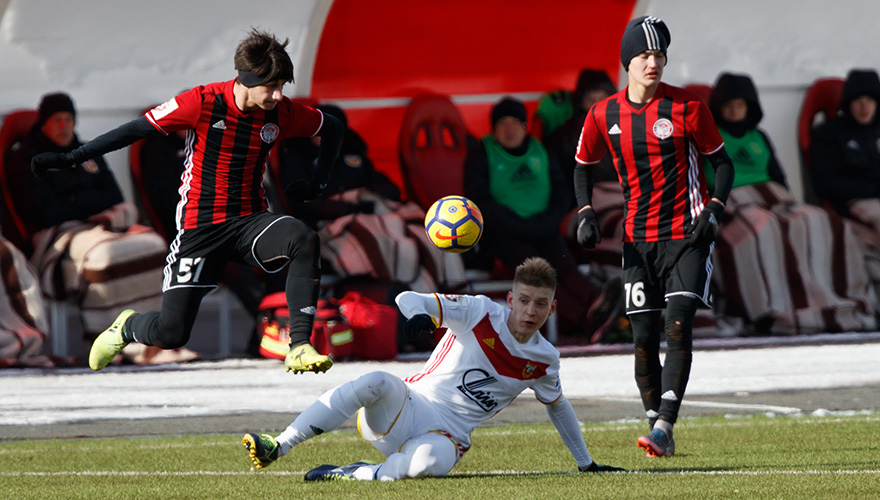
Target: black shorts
x=198, y=256
x=654, y=271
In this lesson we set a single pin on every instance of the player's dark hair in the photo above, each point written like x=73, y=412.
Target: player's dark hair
x=262, y=55
x=536, y=272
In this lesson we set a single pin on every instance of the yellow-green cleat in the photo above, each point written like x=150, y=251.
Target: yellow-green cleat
x=109, y=343
x=262, y=449
x=304, y=358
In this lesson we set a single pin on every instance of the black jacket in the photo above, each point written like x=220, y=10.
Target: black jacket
x=63, y=195
x=845, y=154
x=353, y=170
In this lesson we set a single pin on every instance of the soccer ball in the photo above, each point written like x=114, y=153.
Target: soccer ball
x=454, y=224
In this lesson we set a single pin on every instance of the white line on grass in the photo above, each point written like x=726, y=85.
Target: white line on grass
x=149, y=473
x=810, y=472
x=711, y=404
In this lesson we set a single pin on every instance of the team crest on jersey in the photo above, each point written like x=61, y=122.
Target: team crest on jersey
x=90, y=166
x=269, y=132
x=528, y=370
x=163, y=109
x=663, y=128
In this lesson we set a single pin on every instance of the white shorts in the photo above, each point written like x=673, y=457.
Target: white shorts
x=415, y=418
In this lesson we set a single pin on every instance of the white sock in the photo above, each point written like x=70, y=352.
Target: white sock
x=664, y=426
x=330, y=411
x=366, y=472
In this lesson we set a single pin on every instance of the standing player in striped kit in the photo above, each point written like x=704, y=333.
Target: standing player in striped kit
x=655, y=134
x=488, y=356
x=222, y=214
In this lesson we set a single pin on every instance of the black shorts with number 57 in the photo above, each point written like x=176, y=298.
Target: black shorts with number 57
x=654, y=271
x=198, y=256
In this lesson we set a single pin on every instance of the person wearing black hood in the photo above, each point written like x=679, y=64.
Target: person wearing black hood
x=846, y=151
x=737, y=111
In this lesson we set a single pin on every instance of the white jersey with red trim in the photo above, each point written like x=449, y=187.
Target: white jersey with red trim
x=478, y=367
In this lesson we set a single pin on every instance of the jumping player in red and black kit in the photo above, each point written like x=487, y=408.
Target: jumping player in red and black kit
x=656, y=134
x=222, y=214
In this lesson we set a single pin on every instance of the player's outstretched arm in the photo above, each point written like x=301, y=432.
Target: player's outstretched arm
x=564, y=419
x=413, y=303
x=111, y=141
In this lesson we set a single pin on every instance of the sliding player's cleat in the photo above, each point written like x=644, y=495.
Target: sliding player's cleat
x=262, y=449
x=328, y=472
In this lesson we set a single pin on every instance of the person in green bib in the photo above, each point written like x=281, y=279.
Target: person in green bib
x=522, y=195
x=737, y=112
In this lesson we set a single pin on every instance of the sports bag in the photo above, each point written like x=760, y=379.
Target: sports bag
x=374, y=325
x=331, y=334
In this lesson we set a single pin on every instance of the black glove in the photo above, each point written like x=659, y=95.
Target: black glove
x=44, y=162
x=588, y=233
x=303, y=190
x=418, y=325
x=704, y=230
x=594, y=467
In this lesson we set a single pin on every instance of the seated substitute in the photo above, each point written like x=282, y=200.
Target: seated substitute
x=846, y=151
x=488, y=356
x=737, y=111
x=523, y=198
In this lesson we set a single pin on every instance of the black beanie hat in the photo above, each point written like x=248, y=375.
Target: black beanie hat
x=641, y=34
x=508, y=107
x=54, y=103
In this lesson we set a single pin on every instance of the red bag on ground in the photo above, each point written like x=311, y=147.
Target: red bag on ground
x=331, y=334
x=374, y=325
x=273, y=324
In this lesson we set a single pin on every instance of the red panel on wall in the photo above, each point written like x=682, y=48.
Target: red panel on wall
x=391, y=49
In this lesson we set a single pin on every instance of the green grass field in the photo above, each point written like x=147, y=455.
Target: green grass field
x=745, y=458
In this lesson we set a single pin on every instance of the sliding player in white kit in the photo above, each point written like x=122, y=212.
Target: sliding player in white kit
x=488, y=356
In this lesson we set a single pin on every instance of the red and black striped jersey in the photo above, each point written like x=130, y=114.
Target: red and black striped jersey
x=656, y=151
x=227, y=149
